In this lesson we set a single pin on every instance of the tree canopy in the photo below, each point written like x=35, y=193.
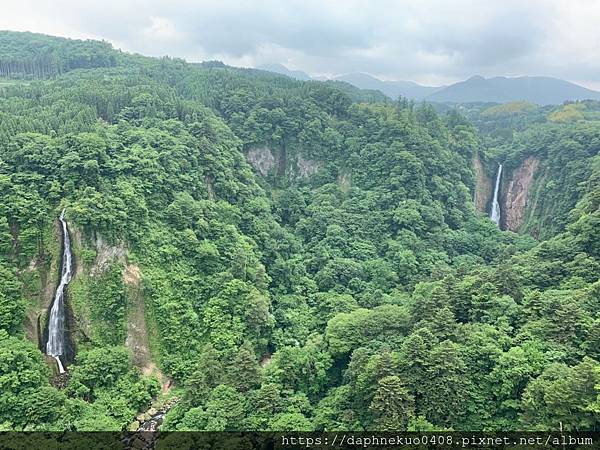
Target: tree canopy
x=309, y=254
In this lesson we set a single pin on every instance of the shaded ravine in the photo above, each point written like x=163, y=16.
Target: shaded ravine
x=55, y=346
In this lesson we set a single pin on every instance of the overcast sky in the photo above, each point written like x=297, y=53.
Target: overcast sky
x=428, y=41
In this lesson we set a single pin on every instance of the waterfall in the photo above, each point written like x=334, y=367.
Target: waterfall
x=56, y=326
x=495, y=213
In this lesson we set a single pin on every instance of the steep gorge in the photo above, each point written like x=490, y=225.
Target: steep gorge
x=45, y=285
x=57, y=327
x=516, y=194
x=92, y=256
x=295, y=291
x=42, y=279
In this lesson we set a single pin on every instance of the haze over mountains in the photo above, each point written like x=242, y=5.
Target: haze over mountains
x=281, y=69
x=392, y=89
x=541, y=90
x=536, y=89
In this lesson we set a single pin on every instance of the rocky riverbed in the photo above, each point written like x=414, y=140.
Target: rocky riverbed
x=143, y=430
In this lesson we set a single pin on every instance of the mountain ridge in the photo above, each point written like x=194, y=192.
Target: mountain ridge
x=536, y=89
x=499, y=89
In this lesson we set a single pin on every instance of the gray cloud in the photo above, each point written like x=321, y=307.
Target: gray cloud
x=429, y=41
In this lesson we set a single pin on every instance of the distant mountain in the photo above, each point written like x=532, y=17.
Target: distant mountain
x=540, y=90
x=392, y=89
x=282, y=70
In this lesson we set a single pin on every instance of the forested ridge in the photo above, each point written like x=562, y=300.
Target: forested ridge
x=300, y=255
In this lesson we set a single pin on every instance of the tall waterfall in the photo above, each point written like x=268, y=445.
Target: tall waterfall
x=56, y=326
x=495, y=213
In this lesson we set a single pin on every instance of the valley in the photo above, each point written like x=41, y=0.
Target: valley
x=234, y=249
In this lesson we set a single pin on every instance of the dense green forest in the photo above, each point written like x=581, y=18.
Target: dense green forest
x=276, y=254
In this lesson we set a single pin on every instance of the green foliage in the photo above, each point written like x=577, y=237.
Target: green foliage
x=35, y=55
x=392, y=406
x=238, y=311
x=108, y=306
x=347, y=331
x=569, y=113
x=12, y=306
x=223, y=411
x=350, y=286
x=563, y=395
x=301, y=369
x=508, y=109
x=105, y=378
x=27, y=402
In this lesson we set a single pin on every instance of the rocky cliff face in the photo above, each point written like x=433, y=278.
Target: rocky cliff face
x=307, y=167
x=262, y=159
x=41, y=278
x=516, y=195
x=46, y=275
x=138, y=341
x=483, y=186
x=272, y=161
x=106, y=254
x=46, y=272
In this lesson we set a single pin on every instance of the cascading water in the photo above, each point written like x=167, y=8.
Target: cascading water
x=495, y=213
x=56, y=326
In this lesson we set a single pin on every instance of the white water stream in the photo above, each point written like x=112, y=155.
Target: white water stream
x=495, y=213
x=56, y=325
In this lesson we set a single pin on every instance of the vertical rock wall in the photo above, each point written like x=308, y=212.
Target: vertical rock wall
x=483, y=186
x=516, y=198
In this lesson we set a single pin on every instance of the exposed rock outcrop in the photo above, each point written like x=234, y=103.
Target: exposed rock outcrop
x=77, y=243
x=262, y=159
x=106, y=254
x=345, y=181
x=48, y=273
x=267, y=161
x=483, y=186
x=144, y=431
x=137, y=340
x=137, y=332
x=210, y=187
x=307, y=167
x=516, y=195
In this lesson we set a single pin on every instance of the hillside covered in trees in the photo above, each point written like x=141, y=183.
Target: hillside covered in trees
x=275, y=254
